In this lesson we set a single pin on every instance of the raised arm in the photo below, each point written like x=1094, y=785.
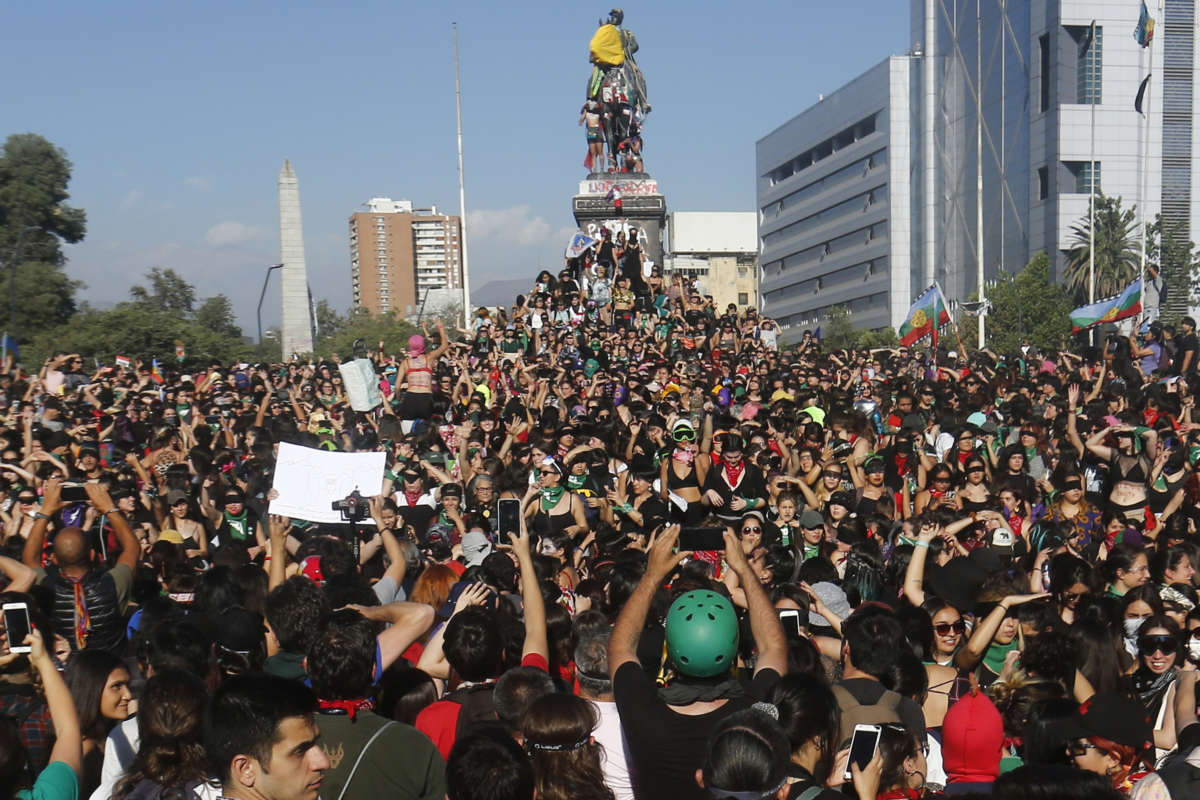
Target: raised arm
x=20, y=577
x=31, y=555
x=764, y=622
x=536, y=638
x=130, y=550
x=622, y=645
x=68, y=743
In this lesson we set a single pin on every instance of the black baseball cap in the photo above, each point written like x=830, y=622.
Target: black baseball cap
x=1113, y=716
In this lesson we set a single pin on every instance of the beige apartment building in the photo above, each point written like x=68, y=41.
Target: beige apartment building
x=720, y=250
x=398, y=253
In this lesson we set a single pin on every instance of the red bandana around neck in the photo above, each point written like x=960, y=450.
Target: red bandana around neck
x=733, y=474
x=347, y=707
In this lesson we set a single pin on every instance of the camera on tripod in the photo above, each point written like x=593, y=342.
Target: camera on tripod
x=353, y=507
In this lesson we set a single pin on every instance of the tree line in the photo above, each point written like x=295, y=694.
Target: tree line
x=46, y=315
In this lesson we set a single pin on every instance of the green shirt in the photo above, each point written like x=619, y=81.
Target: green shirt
x=400, y=764
x=57, y=782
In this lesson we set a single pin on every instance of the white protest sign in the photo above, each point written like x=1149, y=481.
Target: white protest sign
x=309, y=481
x=360, y=383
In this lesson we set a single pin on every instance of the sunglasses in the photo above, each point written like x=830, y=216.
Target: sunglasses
x=751, y=529
x=945, y=628
x=1081, y=747
x=548, y=472
x=1149, y=645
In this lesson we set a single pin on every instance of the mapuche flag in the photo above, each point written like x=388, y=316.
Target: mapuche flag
x=920, y=321
x=1126, y=304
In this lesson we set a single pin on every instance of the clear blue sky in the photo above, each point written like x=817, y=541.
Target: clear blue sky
x=178, y=116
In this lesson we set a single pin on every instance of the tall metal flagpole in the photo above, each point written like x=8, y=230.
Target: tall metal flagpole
x=462, y=193
x=1143, y=191
x=979, y=165
x=1092, y=196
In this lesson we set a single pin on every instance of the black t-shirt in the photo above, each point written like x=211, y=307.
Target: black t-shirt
x=1188, y=343
x=666, y=747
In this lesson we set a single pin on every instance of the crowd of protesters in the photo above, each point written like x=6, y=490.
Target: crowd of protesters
x=627, y=545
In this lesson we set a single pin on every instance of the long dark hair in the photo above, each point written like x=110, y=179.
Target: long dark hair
x=808, y=708
x=86, y=676
x=566, y=764
x=170, y=722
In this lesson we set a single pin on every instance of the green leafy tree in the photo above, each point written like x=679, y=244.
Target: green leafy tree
x=1118, y=251
x=168, y=291
x=34, y=221
x=371, y=329
x=1028, y=306
x=329, y=322
x=837, y=332
x=137, y=332
x=1175, y=256
x=216, y=314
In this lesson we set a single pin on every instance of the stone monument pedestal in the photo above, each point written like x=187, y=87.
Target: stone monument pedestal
x=642, y=207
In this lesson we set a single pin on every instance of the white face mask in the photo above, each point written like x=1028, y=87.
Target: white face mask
x=1194, y=651
x=1131, y=627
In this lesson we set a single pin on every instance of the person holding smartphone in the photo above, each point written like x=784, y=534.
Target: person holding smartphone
x=667, y=730
x=90, y=601
x=60, y=779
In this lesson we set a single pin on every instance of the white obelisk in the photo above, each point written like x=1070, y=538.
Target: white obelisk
x=297, y=314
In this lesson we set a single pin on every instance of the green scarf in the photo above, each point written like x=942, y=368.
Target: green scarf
x=237, y=525
x=576, y=481
x=993, y=659
x=551, y=496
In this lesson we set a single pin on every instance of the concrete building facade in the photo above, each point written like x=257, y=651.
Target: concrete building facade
x=833, y=205
x=720, y=249
x=1010, y=85
x=398, y=253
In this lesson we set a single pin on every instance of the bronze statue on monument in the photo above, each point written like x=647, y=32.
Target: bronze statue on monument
x=616, y=102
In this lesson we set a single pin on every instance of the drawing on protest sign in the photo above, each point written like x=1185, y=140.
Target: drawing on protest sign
x=310, y=481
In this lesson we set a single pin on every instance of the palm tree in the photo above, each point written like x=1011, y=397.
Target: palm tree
x=1117, y=249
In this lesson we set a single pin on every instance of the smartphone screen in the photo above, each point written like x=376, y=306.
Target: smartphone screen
x=16, y=625
x=508, y=518
x=862, y=747
x=74, y=493
x=789, y=618
x=693, y=539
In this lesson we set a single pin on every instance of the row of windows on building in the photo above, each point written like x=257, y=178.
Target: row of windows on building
x=855, y=171
x=839, y=141
x=866, y=236
x=812, y=317
x=832, y=281
x=858, y=204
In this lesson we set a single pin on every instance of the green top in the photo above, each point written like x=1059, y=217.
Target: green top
x=401, y=762
x=57, y=782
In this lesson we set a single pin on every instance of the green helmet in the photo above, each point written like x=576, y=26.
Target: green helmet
x=702, y=634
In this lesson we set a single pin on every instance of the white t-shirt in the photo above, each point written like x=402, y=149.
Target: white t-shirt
x=119, y=751
x=615, y=763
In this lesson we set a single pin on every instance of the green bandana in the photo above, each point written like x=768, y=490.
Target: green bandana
x=237, y=525
x=551, y=496
x=993, y=659
x=576, y=481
